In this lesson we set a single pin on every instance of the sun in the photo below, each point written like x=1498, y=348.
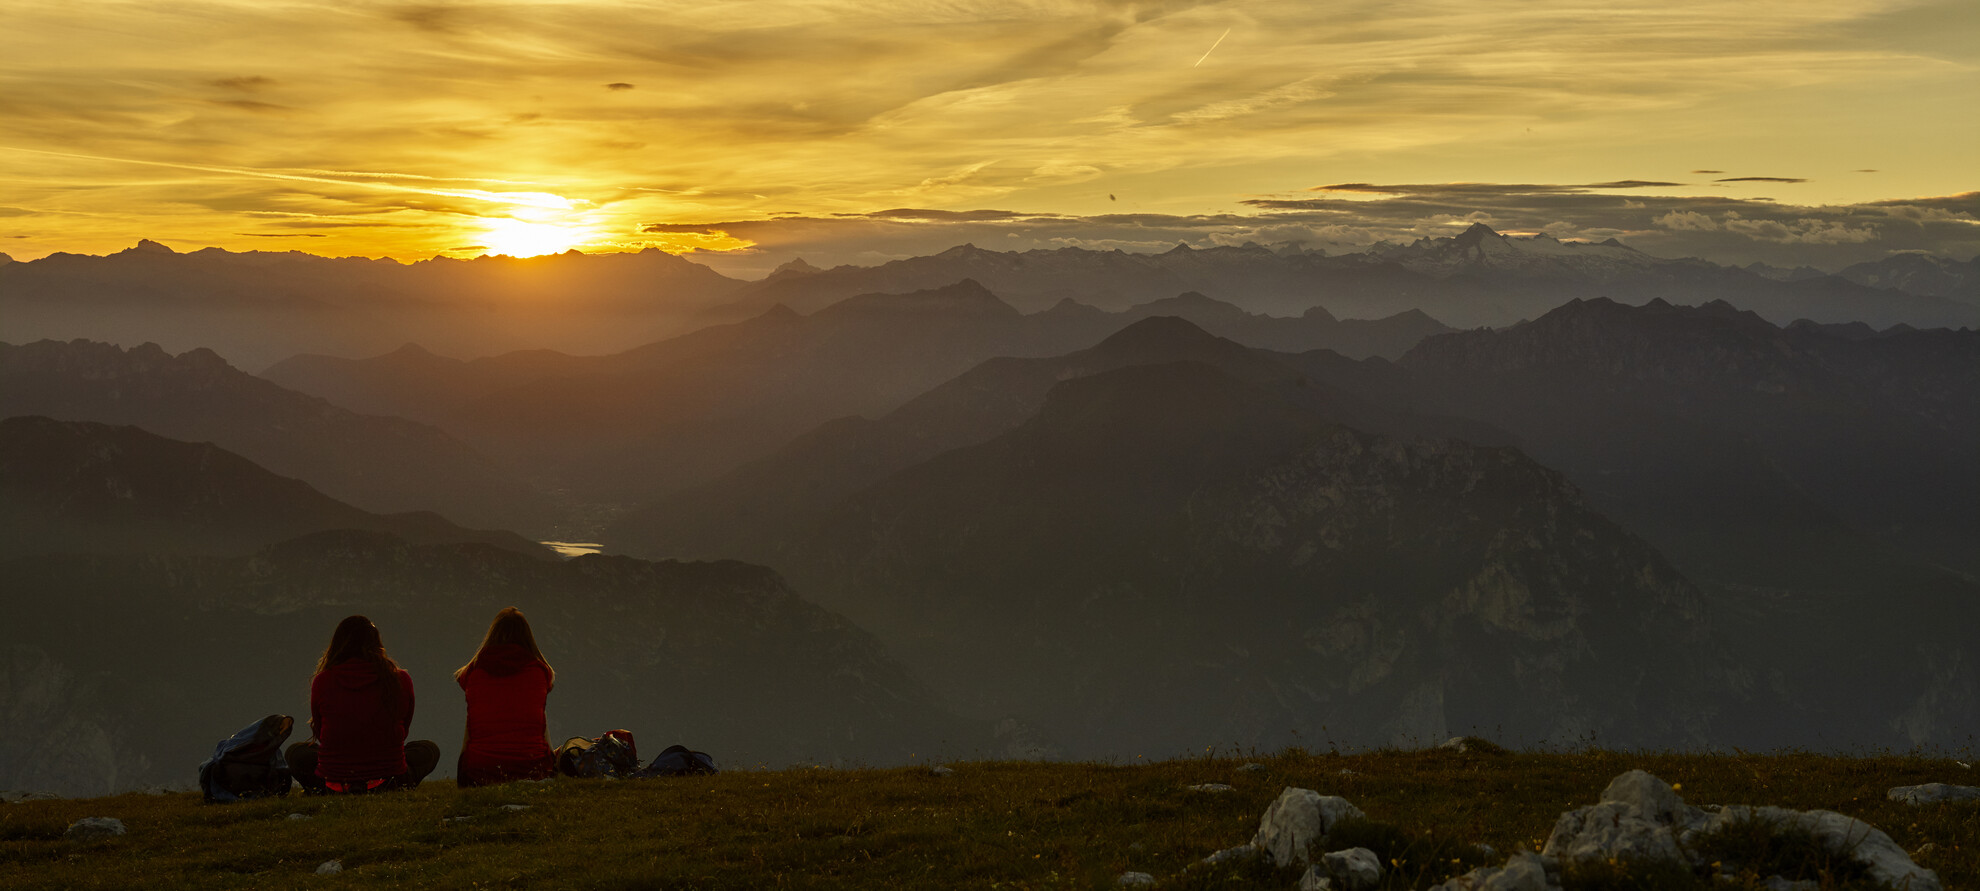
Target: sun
x=522, y=238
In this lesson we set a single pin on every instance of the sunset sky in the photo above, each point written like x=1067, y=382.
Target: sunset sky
x=1815, y=132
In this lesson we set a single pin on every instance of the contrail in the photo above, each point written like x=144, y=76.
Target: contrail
x=1213, y=47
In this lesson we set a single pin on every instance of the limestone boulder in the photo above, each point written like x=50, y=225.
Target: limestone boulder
x=1298, y=819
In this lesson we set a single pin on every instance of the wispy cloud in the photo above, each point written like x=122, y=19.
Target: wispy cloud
x=827, y=106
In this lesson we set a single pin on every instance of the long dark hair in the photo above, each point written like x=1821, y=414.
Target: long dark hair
x=356, y=640
x=509, y=627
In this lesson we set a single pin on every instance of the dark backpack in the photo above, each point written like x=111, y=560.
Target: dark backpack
x=679, y=761
x=249, y=764
x=611, y=755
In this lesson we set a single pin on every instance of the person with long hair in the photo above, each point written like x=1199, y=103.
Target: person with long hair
x=360, y=709
x=507, y=684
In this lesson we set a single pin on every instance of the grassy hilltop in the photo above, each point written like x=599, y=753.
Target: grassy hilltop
x=987, y=825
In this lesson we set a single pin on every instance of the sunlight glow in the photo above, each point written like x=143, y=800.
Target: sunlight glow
x=521, y=238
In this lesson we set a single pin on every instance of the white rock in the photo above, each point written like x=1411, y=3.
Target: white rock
x=1354, y=869
x=1840, y=834
x=941, y=771
x=1525, y=871
x=515, y=807
x=1639, y=817
x=330, y=868
x=1211, y=787
x=1296, y=820
x=1777, y=883
x=1253, y=767
x=1135, y=880
x=298, y=816
x=1933, y=793
x=10, y=796
x=93, y=828
x=1316, y=880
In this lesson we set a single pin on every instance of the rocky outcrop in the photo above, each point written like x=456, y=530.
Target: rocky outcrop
x=1296, y=820
x=1933, y=793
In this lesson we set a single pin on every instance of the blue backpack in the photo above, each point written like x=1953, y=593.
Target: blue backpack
x=678, y=761
x=249, y=764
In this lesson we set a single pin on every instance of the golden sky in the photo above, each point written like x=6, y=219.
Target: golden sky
x=410, y=130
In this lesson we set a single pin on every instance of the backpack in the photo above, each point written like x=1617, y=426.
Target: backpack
x=249, y=764
x=679, y=761
x=611, y=755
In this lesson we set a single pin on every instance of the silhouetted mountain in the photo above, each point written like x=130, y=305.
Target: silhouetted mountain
x=383, y=464
x=139, y=663
x=1476, y=278
x=82, y=488
x=761, y=509
x=257, y=307
x=1920, y=274
x=1733, y=443
x=677, y=412
x=1170, y=554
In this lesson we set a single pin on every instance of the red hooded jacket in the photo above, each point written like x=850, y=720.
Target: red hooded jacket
x=362, y=737
x=506, y=688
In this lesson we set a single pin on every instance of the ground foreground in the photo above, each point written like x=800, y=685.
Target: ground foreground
x=986, y=825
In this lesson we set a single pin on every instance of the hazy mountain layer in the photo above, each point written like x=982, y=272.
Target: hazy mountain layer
x=257, y=307
x=1750, y=452
x=1473, y=279
x=760, y=509
x=678, y=412
x=383, y=464
x=81, y=488
x=140, y=664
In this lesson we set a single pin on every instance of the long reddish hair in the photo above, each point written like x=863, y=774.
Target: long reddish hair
x=356, y=640
x=509, y=627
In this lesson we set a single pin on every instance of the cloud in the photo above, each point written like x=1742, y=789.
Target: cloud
x=618, y=86
x=1726, y=230
x=1760, y=179
x=246, y=84
x=1705, y=172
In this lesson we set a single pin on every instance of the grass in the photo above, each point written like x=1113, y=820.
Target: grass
x=1014, y=825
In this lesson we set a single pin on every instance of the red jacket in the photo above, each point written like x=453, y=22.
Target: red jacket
x=506, y=688
x=361, y=737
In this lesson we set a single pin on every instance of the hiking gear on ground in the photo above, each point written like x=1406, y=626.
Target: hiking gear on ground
x=249, y=764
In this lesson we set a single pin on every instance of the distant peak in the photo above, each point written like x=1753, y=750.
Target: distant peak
x=1182, y=247
x=962, y=250
x=779, y=311
x=1156, y=332
x=1478, y=231
x=796, y=266
x=147, y=246
x=4, y=259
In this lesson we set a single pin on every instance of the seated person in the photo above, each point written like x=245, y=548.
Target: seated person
x=506, y=683
x=360, y=707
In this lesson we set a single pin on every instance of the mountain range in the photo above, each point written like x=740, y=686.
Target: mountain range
x=382, y=464
x=632, y=425
x=81, y=488
x=257, y=308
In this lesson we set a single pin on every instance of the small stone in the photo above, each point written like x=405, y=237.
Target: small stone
x=1135, y=880
x=1933, y=793
x=93, y=828
x=1485, y=850
x=1137, y=847
x=10, y=796
x=1344, y=772
x=1779, y=883
x=1924, y=849
x=1525, y=871
x=298, y=816
x=1315, y=880
x=942, y=771
x=459, y=819
x=1211, y=787
x=1253, y=767
x=515, y=807
x=1354, y=869
x=330, y=868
